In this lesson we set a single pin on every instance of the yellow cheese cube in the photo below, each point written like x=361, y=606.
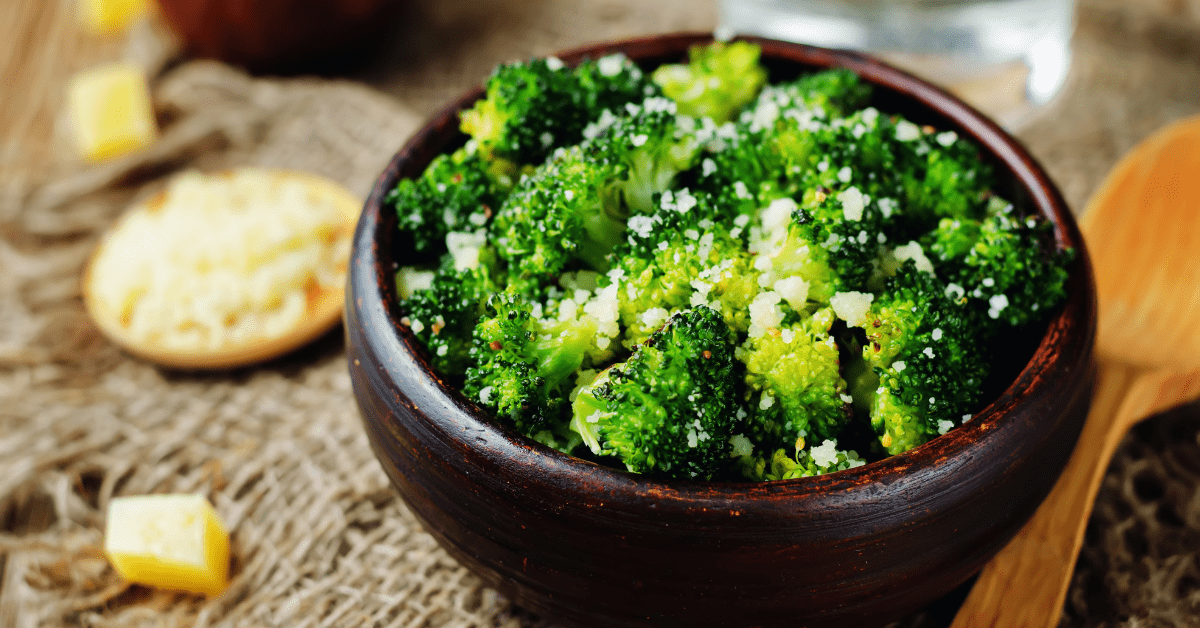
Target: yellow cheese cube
x=175, y=542
x=110, y=16
x=110, y=111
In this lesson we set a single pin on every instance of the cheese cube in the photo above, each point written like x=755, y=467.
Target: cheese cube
x=110, y=111
x=175, y=542
x=110, y=16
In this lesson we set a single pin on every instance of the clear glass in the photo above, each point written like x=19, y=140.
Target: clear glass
x=1006, y=57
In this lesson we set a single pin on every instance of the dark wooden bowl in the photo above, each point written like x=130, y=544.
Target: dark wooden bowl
x=591, y=545
x=286, y=36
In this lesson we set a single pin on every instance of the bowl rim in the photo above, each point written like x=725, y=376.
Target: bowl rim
x=372, y=246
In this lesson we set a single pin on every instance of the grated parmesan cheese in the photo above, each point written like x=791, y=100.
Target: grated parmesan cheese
x=223, y=260
x=852, y=306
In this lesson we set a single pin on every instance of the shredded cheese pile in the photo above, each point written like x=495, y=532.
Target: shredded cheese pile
x=223, y=260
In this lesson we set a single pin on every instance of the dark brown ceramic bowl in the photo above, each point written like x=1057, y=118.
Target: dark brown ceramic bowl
x=591, y=545
x=279, y=35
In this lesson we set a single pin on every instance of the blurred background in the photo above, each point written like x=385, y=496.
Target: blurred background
x=335, y=87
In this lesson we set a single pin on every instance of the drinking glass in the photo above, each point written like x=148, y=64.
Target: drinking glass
x=1006, y=57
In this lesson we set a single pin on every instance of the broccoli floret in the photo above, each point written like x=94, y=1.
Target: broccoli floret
x=952, y=240
x=947, y=178
x=537, y=106
x=826, y=95
x=554, y=217
x=641, y=152
x=931, y=175
x=739, y=168
x=887, y=158
x=443, y=316
x=794, y=389
x=574, y=207
x=777, y=142
x=670, y=409
x=1001, y=266
x=849, y=225
x=456, y=193
x=520, y=369
x=925, y=347
x=681, y=256
x=766, y=156
x=774, y=147
x=718, y=80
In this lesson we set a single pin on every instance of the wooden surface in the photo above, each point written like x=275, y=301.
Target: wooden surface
x=1146, y=253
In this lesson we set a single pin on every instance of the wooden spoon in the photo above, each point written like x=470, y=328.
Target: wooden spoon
x=1141, y=230
x=323, y=303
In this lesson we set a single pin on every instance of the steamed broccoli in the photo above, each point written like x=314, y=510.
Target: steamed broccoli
x=718, y=80
x=574, y=207
x=828, y=94
x=670, y=409
x=794, y=387
x=443, y=316
x=681, y=256
x=536, y=106
x=726, y=282
x=929, y=175
x=792, y=262
x=1000, y=265
x=924, y=346
x=554, y=217
x=456, y=193
x=641, y=152
x=780, y=465
x=777, y=141
x=741, y=169
x=521, y=371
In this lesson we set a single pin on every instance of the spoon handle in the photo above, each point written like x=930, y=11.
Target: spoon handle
x=1026, y=583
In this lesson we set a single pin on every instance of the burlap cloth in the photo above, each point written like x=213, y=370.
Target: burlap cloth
x=319, y=538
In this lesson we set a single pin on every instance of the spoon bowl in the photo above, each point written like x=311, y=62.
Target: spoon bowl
x=323, y=301
x=1146, y=257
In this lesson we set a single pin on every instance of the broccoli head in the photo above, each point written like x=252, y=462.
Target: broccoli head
x=681, y=256
x=794, y=389
x=828, y=94
x=640, y=153
x=739, y=168
x=554, y=217
x=890, y=159
x=574, y=207
x=924, y=346
x=850, y=226
x=520, y=370
x=767, y=154
x=443, y=316
x=791, y=261
x=780, y=465
x=537, y=106
x=1001, y=265
x=669, y=409
x=456, y=193
x=718, y=80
